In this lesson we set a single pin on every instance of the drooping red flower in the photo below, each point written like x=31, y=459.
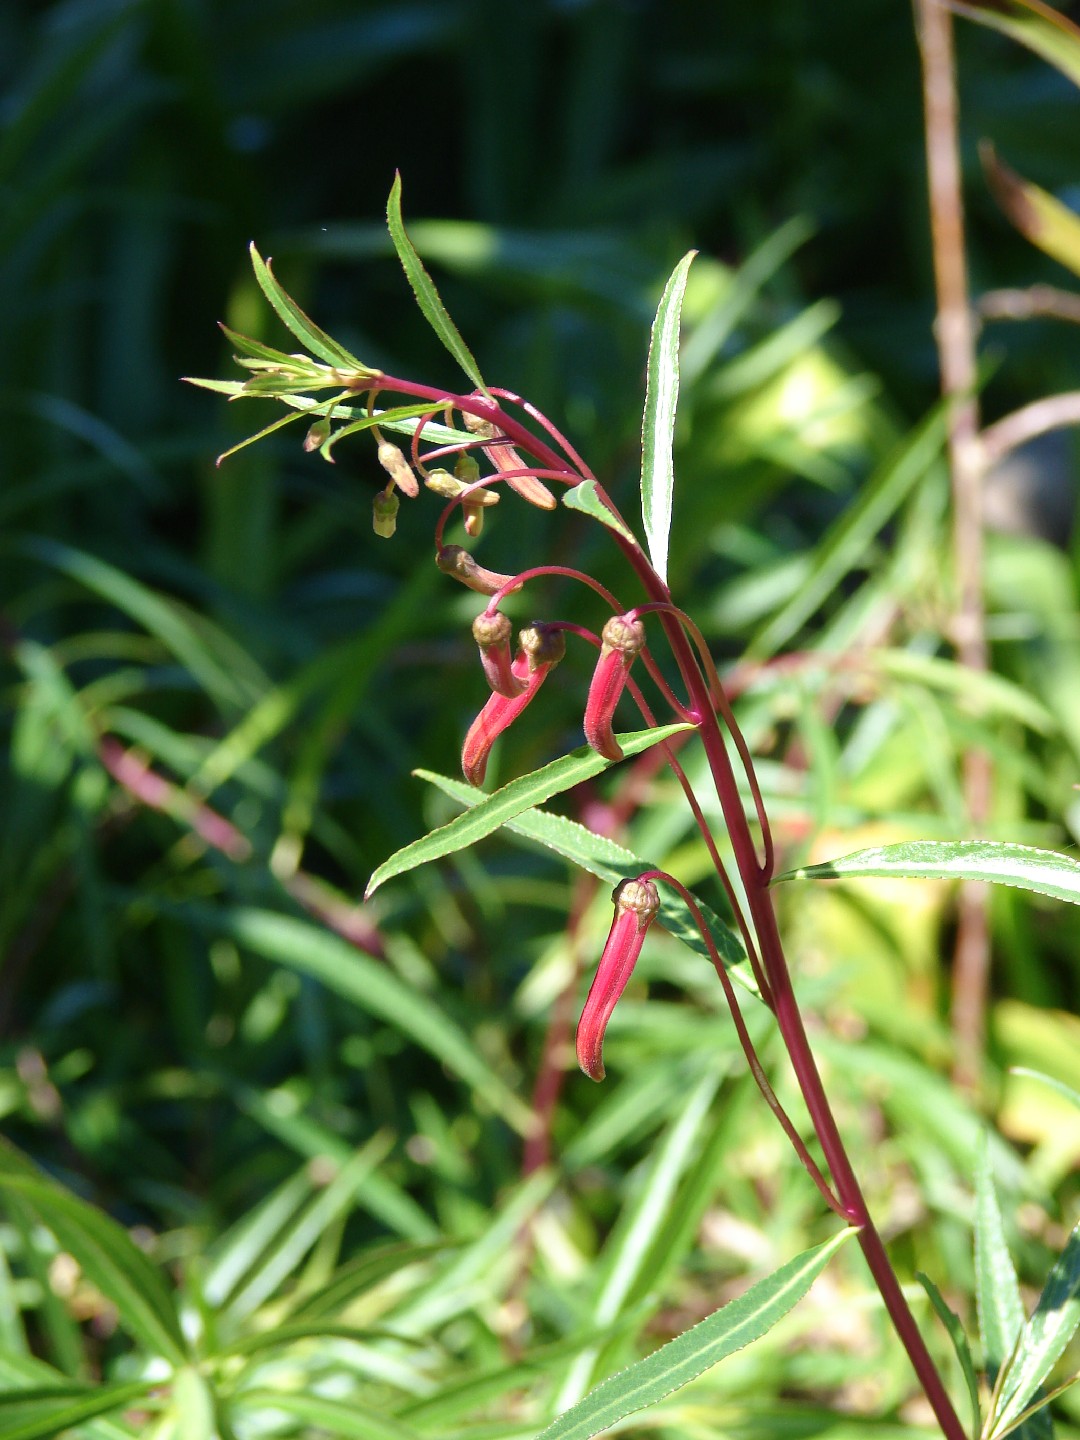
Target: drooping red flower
x=636, y=905
x=542, y=646
x=491, y=631
x=623, y=637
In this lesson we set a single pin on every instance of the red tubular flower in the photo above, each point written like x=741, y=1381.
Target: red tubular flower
x=622, y=636
x=491, y=631
x=541, y=648
x=636, y=906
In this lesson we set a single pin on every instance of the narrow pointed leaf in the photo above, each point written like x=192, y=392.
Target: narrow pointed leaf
x=377, y=990
x=610, y=862
x=299, y=324
x=1055, y=1320
x=997, y=1290
x=427, y=297
x=41, y=1415
x=106, y=1253
x=1044, y=220
x=641, y=1221
x=232, y=388
x=1038, y=26
x=385, y=418
x=255, y=349
x=1066, y=1091
x=658, y=422
x=328, y=1416
x=1021, y=866
x=260, y=434
x=689, y=1355
x=955, y=1331
x=521, y=794
x=583, y=497
x=848, y=543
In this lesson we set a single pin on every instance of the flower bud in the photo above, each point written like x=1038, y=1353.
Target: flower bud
x=541, y=648
x=317, y=435
x=398, y=468
x=384, y=513
x=636, y=905
x=466, y=469
x=491, y=631
x=455, y=560
x=449, y=486
x=543, y=644
x=622, y=638
x=505, y=457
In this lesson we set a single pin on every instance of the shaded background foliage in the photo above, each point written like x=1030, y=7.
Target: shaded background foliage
x=157, y=1051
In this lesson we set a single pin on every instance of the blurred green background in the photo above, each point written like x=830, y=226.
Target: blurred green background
x=182, y=1041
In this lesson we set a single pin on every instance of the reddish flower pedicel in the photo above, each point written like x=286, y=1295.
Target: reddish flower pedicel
x=636, y=906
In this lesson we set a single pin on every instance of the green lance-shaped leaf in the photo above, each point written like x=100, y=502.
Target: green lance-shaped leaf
x=375, y=988
x=427, y=297
x=1038, y=26
x=1042, y=871
x=44, y=1414
x=1046, y=222
x=521, y=794
x=955, y=1331
x=1065, y=1091
x=106, y=1253
x=689, y=1355
x=611, y=862
x=1043, y=1339
x=301, y=325
x=997, y=1290
x=584, y=497
x=658, y=422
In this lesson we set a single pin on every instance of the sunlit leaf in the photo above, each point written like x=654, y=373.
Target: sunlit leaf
x=301, y=325
x=1045, y=221
x=375, y=989
x=1055, y=1320
x=1000, y=863
x=44, y=1414
x=1066, y=1091
x=847, y=544
x=427, y=297
x=658, y=422
x=583, y=497
x=683, y=1359
x=105, y=1252
x=955, y=1331
x=612, y=863
x=641, y=1222
x=1038, y=26
x=997, y=1290
x=345, y=1418
x=521, y=794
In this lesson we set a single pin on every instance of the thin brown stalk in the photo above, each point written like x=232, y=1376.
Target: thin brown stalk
x=955, y=334
x=1035, y=301
x=1052, y=412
